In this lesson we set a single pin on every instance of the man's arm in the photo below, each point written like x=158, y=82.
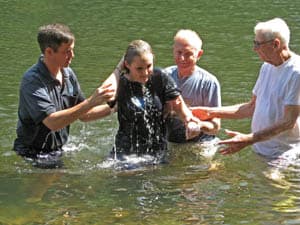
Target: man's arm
x=97, y=112
x=291, y=114
x=61, y=119
x=239, y=140
x=85, y=111
x=239, y=111
x=186, y=115
x=105, y=110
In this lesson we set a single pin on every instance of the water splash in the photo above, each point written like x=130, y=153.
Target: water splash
x=129, y=162
x=209, y=148
x=141, y=125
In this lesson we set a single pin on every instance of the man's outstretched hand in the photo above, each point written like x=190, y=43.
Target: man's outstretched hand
x=237, y=142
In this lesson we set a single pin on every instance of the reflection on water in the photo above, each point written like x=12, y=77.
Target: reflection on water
x=196, y=186
x=286, y=177
x=190, y=189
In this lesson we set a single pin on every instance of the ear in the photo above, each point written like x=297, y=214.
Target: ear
x=200, y=53
x=126, y=64
x=48, y=51
x=276, y=43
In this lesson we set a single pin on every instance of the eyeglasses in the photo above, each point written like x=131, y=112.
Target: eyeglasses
x=257, y=44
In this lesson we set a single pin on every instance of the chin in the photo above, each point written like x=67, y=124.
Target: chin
x=67, y=64
x=184, y=68
x=143, y=81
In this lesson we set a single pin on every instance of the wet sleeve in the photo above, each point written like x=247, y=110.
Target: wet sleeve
x=171, y=90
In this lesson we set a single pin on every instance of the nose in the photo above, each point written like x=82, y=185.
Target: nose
x=72, y=54
x=180, y=57
x=147, y=71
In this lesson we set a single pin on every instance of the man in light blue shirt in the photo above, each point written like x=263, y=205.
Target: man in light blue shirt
x=198, y=86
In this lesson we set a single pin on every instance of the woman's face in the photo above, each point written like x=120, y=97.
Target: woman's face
x=141, y=68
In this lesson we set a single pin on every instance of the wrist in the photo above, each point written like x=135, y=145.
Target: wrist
x=253, y=138
x=88, y=103
x=188, y=119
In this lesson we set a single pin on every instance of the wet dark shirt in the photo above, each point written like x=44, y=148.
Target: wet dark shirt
x=41, y=95
x=140, y=113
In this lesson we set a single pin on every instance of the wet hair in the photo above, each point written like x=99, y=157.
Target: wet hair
x=274, y=28
x=53, y=35
x=136, y=48
x=190, y=37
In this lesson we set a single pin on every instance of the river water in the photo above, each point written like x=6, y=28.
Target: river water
x=195, y=187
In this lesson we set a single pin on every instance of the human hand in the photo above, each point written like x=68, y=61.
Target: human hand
x=102, y=94
x=236, y=143
x=192, y=129
x=208, y=127
x=201, y=112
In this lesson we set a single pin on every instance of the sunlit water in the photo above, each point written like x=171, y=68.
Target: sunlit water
x=197, y=185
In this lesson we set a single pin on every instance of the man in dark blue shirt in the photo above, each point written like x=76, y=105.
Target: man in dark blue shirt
x=51, y=98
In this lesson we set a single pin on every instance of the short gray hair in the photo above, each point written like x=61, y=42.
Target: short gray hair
x=189, y=36
x=274, y=28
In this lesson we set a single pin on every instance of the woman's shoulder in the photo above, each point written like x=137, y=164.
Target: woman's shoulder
x=162, y=79
x=160, y=72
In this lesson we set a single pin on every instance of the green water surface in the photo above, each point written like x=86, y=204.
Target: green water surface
x=191, y=189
